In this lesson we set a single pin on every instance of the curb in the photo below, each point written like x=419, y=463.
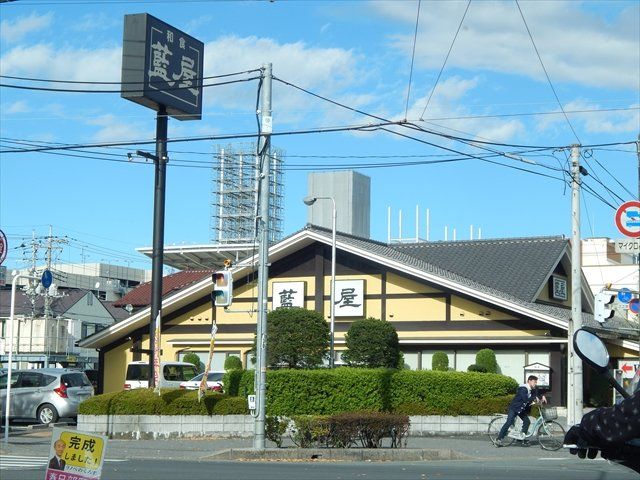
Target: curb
x=337, y=454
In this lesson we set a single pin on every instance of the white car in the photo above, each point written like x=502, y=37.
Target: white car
x=214, y=382
x=171, y=374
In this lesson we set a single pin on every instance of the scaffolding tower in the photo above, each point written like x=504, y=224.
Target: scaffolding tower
x=234, y=206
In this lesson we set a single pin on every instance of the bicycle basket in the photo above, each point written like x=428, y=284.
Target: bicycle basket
x=549, y=413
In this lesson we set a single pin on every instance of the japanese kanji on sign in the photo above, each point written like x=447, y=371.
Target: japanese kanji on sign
x=75, y=455
x=162, y=65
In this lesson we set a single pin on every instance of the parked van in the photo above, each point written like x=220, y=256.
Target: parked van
x=172, y=374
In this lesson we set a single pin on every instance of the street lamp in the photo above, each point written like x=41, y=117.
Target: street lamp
x=310, y=201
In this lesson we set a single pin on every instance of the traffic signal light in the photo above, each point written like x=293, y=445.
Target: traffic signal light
x=603, y=306
x=222, y=288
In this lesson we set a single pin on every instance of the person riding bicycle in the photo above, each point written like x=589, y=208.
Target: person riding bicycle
x=520, y=406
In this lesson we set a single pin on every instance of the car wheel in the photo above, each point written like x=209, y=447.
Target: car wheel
x=47, y=414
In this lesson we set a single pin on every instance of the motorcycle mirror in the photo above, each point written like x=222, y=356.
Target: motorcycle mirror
x=591, y=349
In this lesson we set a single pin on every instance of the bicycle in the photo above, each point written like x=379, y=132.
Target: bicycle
x=549, y=433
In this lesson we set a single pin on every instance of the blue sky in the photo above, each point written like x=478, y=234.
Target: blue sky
x=355, y=52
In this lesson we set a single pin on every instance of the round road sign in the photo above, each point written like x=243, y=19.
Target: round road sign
x=628, y=219
x=634, y=305
x=47, y=279
x=624, y=295
x=3, y=247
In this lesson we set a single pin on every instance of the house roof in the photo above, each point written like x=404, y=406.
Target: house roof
x=517, y=266
x=118, y=313
x=427, y=262
x=59, y=305
x=141, y=295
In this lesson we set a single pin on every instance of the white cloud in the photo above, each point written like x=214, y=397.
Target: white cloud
x=612, y=122
x=575, y=45
x=323, y=70
x=112, y=128
x=12, y=31
x=45, y=60
x=16, y=107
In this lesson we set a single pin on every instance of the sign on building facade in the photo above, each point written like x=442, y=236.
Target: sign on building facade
x=162, y=65
x=288, y=294
x=349, y=298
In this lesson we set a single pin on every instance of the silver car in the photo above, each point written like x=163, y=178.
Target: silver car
x=45, y=394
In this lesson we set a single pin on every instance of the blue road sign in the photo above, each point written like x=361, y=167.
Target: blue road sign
x=634, y=305
x=47, y=279
x=624, y=295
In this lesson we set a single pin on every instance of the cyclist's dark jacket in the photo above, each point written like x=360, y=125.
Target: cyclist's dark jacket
x=613, y=425
x=523, y=399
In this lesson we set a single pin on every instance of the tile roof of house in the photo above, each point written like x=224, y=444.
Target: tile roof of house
x=526, y=273
x=59, y=305
x=517, y=266
x=118, y=313
x=141, y=295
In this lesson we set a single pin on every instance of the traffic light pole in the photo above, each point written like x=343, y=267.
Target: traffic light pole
x=574, y=363
x=263, y=267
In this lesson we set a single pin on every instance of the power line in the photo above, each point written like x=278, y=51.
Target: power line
x=545, y=71
x=413, y=55
x=152, y=82
x=71, y=90
x=348, y=128
x=445, y=60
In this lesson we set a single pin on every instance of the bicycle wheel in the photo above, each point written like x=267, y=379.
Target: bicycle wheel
x=551, y=435
x=494, y=429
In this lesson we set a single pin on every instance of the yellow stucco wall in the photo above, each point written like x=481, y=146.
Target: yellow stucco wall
x=115, y=367
x=463, y=309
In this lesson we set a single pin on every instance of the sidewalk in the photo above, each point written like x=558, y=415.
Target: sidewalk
x=36, y=442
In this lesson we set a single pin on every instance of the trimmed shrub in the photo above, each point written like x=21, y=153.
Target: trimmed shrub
x=297, y=338
x=144, y=401
x=231, y=406
x=275, y=428
x=439, y=390
x=487, y=359
x=466, y=406
x=231, y=382
x=233, y=363
x=195, y=359
x=372, y=343
x=477, y=368
x=440, y=362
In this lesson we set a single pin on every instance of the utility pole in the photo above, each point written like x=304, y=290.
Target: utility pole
x=263, y=253
x=574, y=363
x=638, y=254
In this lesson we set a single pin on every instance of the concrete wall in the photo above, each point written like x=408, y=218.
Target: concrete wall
x=228, y=426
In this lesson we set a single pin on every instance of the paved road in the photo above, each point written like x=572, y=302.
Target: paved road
x=195, y=460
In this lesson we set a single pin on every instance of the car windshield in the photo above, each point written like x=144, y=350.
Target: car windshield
x=215, y=376
x=197, y=378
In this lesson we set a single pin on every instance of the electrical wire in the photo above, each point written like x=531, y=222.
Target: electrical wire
x=413, y=56
x=71, y=90
x=445, y=60
x=151, y=82
x=546, y=73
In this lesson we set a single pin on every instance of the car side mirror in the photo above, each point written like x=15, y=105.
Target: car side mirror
x=591, y=349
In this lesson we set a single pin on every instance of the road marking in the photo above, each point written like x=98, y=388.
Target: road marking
x=22, y=462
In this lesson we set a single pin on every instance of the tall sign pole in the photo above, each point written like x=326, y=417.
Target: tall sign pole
x=574, y=363
x=263, y=267
x=155, y=323
x=162, y=69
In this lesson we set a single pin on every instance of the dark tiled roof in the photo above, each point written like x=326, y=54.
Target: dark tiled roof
x=118, y=313
x=59, y=305
x=530, y=275
x=141, y=295
x=517, y=266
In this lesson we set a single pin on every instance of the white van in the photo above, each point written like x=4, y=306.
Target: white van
x=172, y=374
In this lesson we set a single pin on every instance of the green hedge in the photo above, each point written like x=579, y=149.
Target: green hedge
x=326, y=392
x=440, y=390
x=143, y=401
